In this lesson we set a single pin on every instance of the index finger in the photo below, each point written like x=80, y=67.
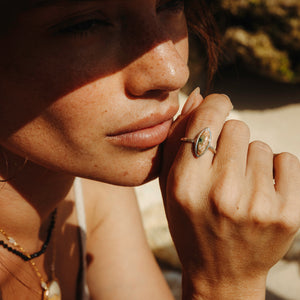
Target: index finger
x=211, y=114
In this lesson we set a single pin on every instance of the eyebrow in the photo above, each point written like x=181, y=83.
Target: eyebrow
x=43, y=3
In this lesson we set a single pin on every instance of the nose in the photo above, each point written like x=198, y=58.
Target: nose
x=161, y=68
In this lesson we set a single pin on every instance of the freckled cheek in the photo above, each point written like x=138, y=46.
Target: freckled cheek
x=74, y=120
x=81, y=114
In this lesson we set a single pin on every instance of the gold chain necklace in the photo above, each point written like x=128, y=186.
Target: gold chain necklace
x=50, y=289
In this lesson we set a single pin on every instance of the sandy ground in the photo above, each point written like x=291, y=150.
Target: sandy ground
x=272, y=111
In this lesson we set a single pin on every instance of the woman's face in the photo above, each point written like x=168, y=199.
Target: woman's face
x=90, y=87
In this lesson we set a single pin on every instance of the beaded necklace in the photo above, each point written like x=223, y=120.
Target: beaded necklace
x=51, y=289
x=21, y=252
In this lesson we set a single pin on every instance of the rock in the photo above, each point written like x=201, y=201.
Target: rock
x=258, y=53
x=263, y=35
x=278, y=8
x=275, y=26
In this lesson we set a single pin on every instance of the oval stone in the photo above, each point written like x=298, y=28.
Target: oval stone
x=202, y=142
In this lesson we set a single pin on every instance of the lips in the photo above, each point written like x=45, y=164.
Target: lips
x=143, y=138
x=146, y=132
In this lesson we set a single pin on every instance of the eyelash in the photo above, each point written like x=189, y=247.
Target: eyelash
x=86, y=27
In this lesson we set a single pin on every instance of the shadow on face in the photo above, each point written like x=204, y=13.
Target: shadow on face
x=53, y=49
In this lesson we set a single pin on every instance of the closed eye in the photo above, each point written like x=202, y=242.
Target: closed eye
x=85, y=27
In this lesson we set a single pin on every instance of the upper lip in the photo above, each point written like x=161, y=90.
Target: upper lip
x=149, y=121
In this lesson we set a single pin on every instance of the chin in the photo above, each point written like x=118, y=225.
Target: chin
x=133, y=172
x=130, y=179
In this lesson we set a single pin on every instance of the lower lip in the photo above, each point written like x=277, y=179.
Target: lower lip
x=144, y=138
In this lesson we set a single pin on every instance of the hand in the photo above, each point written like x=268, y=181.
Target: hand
x=232, y=215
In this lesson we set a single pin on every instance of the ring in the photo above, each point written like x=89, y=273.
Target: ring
x=201, y=142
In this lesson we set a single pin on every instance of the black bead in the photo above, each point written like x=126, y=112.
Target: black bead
x=44, y=246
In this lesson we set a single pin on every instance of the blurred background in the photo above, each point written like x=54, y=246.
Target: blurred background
x=260, y=71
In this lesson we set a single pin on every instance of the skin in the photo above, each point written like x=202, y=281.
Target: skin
x=247, y=200
x=85, y=96
x=94, y=86
x=68, y=99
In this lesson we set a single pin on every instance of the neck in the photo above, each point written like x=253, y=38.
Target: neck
x=28, y=199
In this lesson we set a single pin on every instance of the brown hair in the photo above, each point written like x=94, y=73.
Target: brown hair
x=201, y=22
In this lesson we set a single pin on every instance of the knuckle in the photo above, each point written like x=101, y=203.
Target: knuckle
x=289, y=222
x=181, y=190
x=261, y=211
x=207, y=116
x=175, y=186
x=214, y=109
x=260, y=146
x=225, y=198
x=238, y=128
x=261, y=215
x=290, y=217
x=223, y=100
x=266, y=215
x=287, y=158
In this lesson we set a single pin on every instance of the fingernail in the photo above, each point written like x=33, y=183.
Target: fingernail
x=192, y=102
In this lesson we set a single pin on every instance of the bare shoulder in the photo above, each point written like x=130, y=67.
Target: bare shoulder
x=116, y=245
x=103, y=200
